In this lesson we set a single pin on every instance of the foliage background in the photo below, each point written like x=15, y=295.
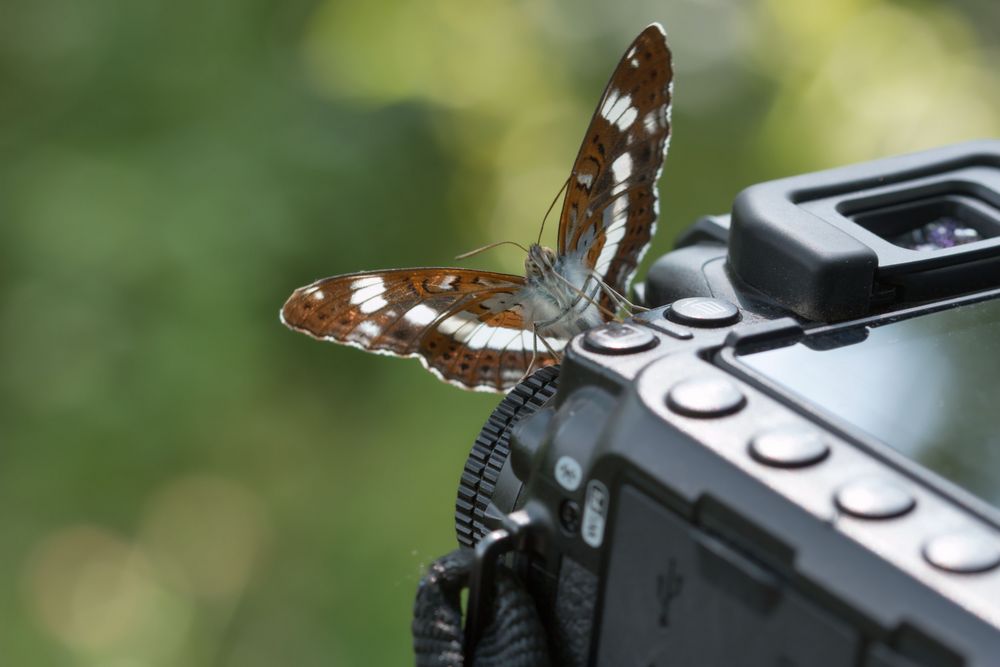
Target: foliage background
x=185, y=482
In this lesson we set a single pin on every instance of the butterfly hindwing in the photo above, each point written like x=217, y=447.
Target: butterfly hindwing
x=477, y=352
x=464, y=325
x=609, y=213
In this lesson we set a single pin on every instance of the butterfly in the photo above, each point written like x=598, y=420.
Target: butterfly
x=485, y=331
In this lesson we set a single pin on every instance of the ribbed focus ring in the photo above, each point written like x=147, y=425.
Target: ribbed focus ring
x=490, y=451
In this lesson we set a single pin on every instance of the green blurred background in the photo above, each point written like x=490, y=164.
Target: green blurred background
x=185, y=482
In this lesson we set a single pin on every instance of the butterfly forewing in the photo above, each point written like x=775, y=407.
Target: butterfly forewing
x=609, y=214
x=464, y=325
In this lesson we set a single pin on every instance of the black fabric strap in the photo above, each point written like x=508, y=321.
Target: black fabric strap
x=515, y=637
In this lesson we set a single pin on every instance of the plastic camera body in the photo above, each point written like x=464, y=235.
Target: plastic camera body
x=794, y=457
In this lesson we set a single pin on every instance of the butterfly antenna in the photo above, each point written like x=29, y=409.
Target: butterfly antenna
x=489, y=246
x=551, y=206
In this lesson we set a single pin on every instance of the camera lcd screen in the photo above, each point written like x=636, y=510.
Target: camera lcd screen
x=928, y=386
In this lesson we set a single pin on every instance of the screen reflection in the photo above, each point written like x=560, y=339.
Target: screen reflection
x=926, y=386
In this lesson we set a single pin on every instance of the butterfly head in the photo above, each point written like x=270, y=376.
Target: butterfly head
x=540, y=262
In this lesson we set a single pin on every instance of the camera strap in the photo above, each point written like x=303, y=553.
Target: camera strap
x=511, y=636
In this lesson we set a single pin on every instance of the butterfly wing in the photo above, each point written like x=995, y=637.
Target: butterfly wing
x=466, y=327
x=609, y=213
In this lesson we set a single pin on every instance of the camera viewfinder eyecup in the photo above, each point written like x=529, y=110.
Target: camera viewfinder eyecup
x=839, y=244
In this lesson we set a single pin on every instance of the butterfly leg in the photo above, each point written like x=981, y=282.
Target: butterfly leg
x=617, y=298
x=583, y=294
x=557, y=355
x=534, y=353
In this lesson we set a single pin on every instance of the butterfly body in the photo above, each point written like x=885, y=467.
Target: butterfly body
x=560, y=294
x=484, y=331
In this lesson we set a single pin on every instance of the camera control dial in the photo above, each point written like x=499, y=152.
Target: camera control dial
x=483, y=468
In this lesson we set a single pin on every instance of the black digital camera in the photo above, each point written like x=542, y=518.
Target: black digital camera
x=792, y=459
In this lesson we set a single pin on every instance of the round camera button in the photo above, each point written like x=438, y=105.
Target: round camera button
x=705, y=397
x=618, y=338
x=789, y=447
x=874, y=498
x=964, y=551
x=702, y=311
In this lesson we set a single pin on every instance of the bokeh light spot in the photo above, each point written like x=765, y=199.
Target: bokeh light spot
x=90, y=589
x=206, y=533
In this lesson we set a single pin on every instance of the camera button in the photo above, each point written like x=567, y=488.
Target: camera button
x=702, y=311
x=789, y=447
x=617, y=338
x=568, y=473
x=963, y=552
x=705, y=397
x=874, y=498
